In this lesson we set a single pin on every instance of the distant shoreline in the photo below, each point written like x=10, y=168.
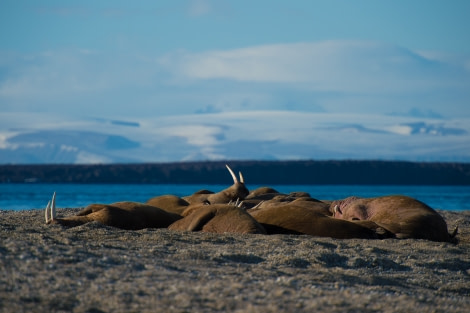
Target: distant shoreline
x=308, y=172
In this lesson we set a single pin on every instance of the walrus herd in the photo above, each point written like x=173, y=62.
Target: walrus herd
x=268, y=211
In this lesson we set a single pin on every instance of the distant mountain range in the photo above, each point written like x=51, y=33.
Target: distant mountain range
x=257, y=135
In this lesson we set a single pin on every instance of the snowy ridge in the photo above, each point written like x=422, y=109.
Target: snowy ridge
x=261, y=135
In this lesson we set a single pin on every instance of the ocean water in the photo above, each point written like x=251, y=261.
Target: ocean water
x=36, y=196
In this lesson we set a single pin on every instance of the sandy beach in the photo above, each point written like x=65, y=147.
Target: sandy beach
x=95, y=268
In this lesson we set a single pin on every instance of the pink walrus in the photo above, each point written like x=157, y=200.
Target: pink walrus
x=404, y=216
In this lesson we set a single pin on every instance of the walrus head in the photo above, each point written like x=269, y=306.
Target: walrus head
x=238, y=190
x=339, y=207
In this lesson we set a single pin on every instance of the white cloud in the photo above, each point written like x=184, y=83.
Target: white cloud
x=330, y=76
x=244, y=135
x=346, y=66
x=197, y=135
x=399, y=129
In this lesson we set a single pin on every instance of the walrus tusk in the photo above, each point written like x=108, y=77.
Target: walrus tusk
x=454, y=233
x=234, y=202
x=337, y=209
x=50, y=212
x=235, y=180
x=256, y=206
x=48, y=207
x=53, y=211
x=241, y=178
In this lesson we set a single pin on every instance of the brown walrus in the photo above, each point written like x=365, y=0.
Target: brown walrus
x=217, y=218
x=404, y=216
x=237, y=191
x=124, y=215
x=292, y=219
x=169, y=203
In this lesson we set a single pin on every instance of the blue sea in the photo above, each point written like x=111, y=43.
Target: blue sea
x=36, y=196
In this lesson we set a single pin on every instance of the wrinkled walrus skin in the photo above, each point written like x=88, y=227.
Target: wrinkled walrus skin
x=217, y=218
x=402, y=215
x=169, y=203
x=124, y=215
x=292, y=219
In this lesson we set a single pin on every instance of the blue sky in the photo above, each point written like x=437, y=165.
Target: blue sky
x=200, y=25
x=144, y=60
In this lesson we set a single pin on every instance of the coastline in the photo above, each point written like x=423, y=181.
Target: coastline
x=300, y=172
x=95, y=268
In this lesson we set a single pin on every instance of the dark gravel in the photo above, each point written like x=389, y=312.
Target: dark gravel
x=95, y=268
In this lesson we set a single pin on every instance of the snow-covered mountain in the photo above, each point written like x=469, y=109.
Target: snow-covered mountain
x=261, y=135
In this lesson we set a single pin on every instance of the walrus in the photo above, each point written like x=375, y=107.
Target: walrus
x=260, y=191
x=306, y=202
x=264, y=197
x=169, y=203
x=217, y=218
x=124, y=215
x=404, y=216
x=292, y=219
x=237, y=191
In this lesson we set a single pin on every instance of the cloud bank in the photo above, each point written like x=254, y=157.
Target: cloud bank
x=274, y=135
x=329, y=99
x=331, y=76
x=343, y=66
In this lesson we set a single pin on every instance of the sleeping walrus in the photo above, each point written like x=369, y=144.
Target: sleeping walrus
x=290, y=218
x=217, y=218
x=237, y=191
x=404, y=216
x=124, y=215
